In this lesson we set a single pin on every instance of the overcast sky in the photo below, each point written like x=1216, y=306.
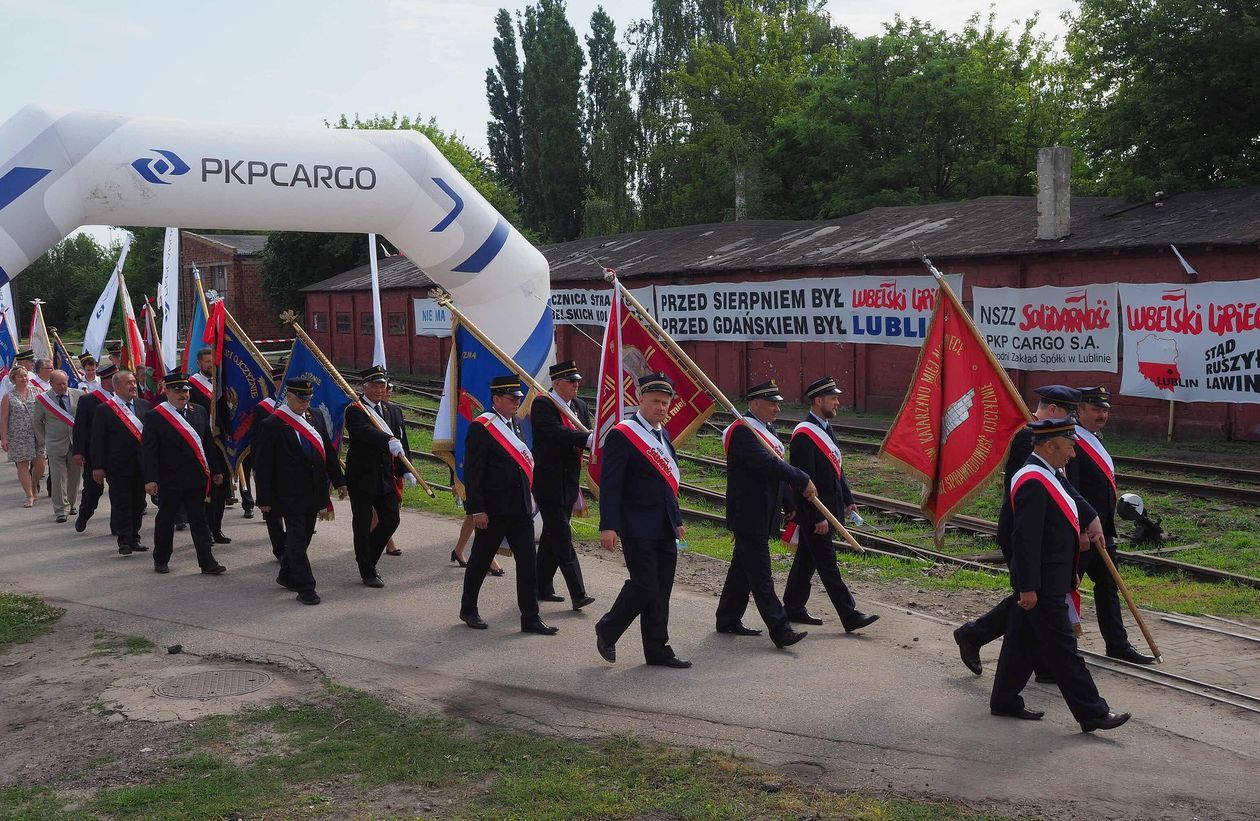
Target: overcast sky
x=299, y=62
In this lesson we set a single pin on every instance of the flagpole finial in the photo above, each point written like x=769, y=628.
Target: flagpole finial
x=441, y=297
x=288, y=318
x=610, y=275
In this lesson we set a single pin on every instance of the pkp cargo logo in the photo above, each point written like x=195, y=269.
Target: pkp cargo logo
x=167, y=164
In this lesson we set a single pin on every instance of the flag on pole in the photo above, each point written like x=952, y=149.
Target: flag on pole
x=329, y=400
x=132, y=354
x=62, y=360
x=39, y=341
x=168, y=297
x=103, y=311
x=153, y=374
x=378, y=342
x=196, y=325
x=629, y=352
x=242, y=381
x=8, y=348
x=959, y=415
x=9, y=310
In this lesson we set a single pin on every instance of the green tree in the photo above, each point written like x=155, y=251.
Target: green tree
x=610, y=133
x=1170, y=92
x=68, y=278
x=554, y=170
x=503, y=92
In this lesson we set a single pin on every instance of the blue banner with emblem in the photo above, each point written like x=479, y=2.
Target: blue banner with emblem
x=329, y=400
x=7, y=350
x=244, y=380
x=62, y=360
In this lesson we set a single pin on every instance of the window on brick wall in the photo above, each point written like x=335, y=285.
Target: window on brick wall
x=218, y=278
x=365, y=323
x=397, y=324
x=343, y=323
x=319, y=322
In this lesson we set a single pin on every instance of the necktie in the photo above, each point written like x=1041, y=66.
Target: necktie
x=62, y=400
x=657, y=434
x=131, y=407
x=183, y=412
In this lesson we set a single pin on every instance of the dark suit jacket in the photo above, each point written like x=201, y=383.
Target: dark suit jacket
x=634, y=498
x=114, y=448
x=288, y=479
x=493, y=482
x=168, y=459
x=557, y=452
x=832, y=491
x=370, y=468
x=756, y=485
x=1087, y=477
x=81, y=438
x=1017, y=457
x=1044, y=543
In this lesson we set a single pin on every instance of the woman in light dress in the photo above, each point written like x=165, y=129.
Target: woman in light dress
x=17, y=435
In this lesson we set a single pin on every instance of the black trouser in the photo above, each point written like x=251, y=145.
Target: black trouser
x=91, y=496
x=247, y=488
x=645, y=595
x=555, y=552
x=126, y=502
x=993, y=624
x=1106, y=597
x=519, y=532
x=749, y=572
x=816, y=554
x=276, y=533
x=369, y=542
x=217, y=502
x=1044, y=631
x=171, y=504
x=295, y=567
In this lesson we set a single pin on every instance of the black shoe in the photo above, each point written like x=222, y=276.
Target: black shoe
x=857, y=620
x=498, y=572
x=61, y=520
x=221, y=538
x=375, y=581
x=789, y=638
x=540, y=627
x=181, y=525
x=969, y=651
x=308, y=597
x=549, y=597
x=161, y=568
x=136, y=547
x=673, y=661
x=214, y=570
x=582, y=601
x=1019, y=712
x=249, y=514
x=73, y=510
x=455, y=558
x=738, y=629
x=124, y=550
x=80, y=524
x=1045, y=678
x=1130, y=654
x=285, y=583
x=607, y=650
x=804, y=618
x=230, y=501
x=1110, y=721
x=473, y=620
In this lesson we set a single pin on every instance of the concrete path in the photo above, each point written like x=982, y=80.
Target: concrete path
x=891, y=709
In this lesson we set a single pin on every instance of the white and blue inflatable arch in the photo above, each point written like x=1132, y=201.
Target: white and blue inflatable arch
x=63, y=169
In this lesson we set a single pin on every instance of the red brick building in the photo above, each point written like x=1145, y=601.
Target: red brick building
x=229, y=264
x=992, y=241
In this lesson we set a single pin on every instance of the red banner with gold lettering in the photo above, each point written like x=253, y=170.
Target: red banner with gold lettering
x=959, y=415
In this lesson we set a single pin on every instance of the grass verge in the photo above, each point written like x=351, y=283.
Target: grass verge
x=23, y=618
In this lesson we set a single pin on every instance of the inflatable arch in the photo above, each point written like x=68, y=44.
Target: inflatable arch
x=63, y=169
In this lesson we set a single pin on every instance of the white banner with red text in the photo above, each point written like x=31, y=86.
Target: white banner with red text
x=1050, y=328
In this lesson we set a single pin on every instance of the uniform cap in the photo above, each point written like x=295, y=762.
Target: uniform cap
x=86, y=360
x=822, y=387
x=374, y=374
x=299, y=387
x=656, y=383
x=506, y=385
x=766, y=390
x=26, y=353
x=1052, y=429
x=1099, y=396
x=567, y=369
x=1060, y=395
x=176, y=379
x=107, y=371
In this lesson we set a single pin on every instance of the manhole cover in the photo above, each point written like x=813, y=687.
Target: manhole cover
x=214, y=684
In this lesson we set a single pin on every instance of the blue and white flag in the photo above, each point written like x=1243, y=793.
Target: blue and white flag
x=329, y=400
x=243, y=380
x=8, y=349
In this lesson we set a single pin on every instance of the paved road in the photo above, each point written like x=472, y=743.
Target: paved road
x=890, y=710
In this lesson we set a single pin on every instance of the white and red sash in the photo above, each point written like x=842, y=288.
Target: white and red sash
x=203, y=384
x=564, y=417
x=39, y=383
x=1037, y=473
x=268, y=405
x=653, y=450
x=304, y=429
x=50, y=405
x=130, y=421
x=759, y=428
x=88, y=387
x=1093, y=448
x=509, y=441
x=171, y=414
x=824, y=443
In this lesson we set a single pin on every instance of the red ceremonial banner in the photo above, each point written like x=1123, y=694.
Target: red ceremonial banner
x=959, y=416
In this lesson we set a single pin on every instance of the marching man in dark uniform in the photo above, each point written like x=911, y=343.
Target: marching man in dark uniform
x=558, y=447
x=263, y=411
x=639, y=504
x=1093, y=473
x=1055, y=403
x=293, y=468
x=1044, y=546
x=81, y=445
x=202, y=393
x=116, y=433
x=180, y=464
x=758, y=484
x=373, y=472
x=498, y=474
x=815, y=451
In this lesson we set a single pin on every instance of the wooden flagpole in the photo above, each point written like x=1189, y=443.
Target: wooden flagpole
x=290, y=318
x=444, y=299
x=698, y=374
x=1128, y=599
x=73, y=365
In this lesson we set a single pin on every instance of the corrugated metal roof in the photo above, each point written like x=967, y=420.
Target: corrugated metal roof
x=247, y=245
x=394, y=272
x=988, y=226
